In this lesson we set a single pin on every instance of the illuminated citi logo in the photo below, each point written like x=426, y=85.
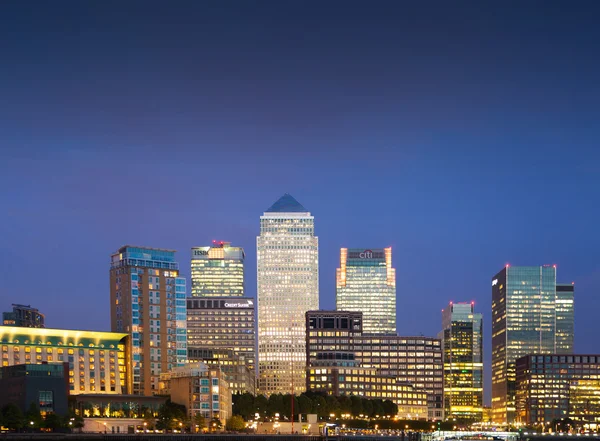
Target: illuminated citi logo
x=366, y=254
x=494, y=282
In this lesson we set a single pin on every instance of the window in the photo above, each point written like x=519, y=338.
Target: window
x=46, y=401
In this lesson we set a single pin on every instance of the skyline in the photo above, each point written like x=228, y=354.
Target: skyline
x=463, y=137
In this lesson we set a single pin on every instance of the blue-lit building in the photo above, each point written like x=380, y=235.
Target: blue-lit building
x=148, y=302
x=529, y=316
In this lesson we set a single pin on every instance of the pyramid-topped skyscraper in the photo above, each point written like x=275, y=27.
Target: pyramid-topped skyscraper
x=287, y=286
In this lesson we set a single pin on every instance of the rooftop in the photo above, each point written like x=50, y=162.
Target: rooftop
x=287, y=204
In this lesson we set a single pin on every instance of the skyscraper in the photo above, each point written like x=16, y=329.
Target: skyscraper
x=366, y=282
x=524, y=321
x=462, y=343
x=220, y=319
x=565, y=318
x=287, y=286
x=218, y=271
x=148, y=302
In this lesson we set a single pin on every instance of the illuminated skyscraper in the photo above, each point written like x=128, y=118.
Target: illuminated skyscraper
x=366, y=282
x=525, y=320
x=288, y=286
x=218, y=271
x=565, y=318
x=462, y=342
x=147, y=301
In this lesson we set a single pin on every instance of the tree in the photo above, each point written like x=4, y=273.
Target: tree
x=261, y=404
x=170, y=415
x=345, y=404
x=274, y=404
x=333, y=406
x=34, y=415
x=390, y=408
x=235, y=423
x=215, y=424
x=357, y=407
x=320, y=406
x=76, y=421
x=53, y=421
x=305, y=404
x=367, y=406
x=12, y=417
x=243, y=404
x=200, y=422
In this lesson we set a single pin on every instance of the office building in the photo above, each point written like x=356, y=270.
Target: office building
x=148, y=302
x=44, y=385
x=223, y=329
x=202, y=389
x=565, y=318
x=336, y=336
x=524, y=321
x=288, y=286
x=554, y=386
x=24, y=316
x=349, y=378
x=241, y=378
x=366, y=282
x=462, y=345
x=96, y=360
x=218, y=271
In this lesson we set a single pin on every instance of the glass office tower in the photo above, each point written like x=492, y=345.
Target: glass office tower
x=565, y=317
x=147, y=301
x=524, y=321
x=366, y=281
x=288, y=286
x=218, y=271
x=462, y=344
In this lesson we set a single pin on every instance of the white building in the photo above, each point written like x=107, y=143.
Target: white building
x=288, y=286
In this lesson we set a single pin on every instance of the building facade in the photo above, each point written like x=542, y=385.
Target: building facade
x=24, y=316
x=556, y=386
x=96, y=360
x=366, y=282
x=288, y=286
x=349, y=378
x=462, y=344
x=565, y=317
x=44, y=385
x=202, y=389
x=148, y=302
x=241, y=378
x=337, y=336
x=223, y=323
x=524, y=321
x=218, y=271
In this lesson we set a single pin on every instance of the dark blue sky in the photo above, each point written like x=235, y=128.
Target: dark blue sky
x=464, y=135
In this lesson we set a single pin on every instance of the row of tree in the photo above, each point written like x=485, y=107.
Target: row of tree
x=13, y=418
x=247, y=406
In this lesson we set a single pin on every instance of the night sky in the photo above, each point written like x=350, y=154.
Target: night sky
x=462, y=134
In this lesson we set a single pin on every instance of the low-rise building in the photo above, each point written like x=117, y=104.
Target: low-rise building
x=23, y=316
x=44, y=385
x=349, y=378
x=201, y=388
x=556, y=386
x=96, y=360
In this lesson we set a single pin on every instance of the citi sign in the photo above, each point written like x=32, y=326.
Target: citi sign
x=366, y=254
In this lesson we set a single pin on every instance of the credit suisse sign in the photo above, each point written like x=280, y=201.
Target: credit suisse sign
x=246, y=304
